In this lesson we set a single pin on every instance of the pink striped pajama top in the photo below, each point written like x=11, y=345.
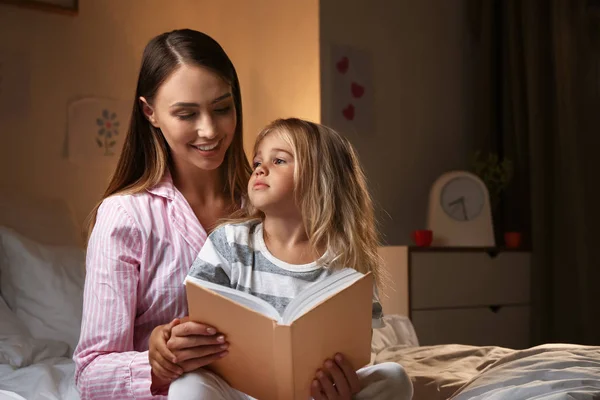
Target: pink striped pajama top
x=138, y=255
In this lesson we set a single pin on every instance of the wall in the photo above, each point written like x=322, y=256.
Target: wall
x=422, y=103
x=98, y=53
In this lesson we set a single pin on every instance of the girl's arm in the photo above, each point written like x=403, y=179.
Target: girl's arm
x=107, y=367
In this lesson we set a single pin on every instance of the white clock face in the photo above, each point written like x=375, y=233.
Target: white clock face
x=462, y=199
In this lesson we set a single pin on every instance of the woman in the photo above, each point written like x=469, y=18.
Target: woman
x=182, y=168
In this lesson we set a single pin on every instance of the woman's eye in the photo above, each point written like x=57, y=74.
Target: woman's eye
x=184, y=117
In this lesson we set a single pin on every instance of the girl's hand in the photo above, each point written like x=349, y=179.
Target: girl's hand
x=164, y=370
x=337, y=380
x=195, y=345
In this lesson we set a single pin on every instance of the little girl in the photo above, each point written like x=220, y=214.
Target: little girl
x=309, y=213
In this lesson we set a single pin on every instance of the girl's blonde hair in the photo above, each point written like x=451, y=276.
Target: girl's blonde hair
x=331, y=192
x=146, y=157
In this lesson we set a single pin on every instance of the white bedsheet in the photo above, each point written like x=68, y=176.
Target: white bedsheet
x=50, y=379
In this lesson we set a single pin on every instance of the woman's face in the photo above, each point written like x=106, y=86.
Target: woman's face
x=195, y=111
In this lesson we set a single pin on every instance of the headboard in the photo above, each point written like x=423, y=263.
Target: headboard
x=46, y=220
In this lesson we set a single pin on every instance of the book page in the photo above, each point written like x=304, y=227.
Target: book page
x=247, y=300
x=317, y=293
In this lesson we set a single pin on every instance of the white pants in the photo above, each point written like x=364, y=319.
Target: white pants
x=385, y=381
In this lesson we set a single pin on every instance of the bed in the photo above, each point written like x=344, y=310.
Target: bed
x=460, y=372
x=42, y=270
x=41, y=282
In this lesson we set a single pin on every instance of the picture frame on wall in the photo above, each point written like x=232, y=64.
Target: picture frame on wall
x=70, y=7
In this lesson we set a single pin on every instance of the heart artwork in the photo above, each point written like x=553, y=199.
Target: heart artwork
x=357, y=90
x=343, y=65
x=348, y=112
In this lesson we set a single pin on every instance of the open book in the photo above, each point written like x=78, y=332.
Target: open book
x=273, y=356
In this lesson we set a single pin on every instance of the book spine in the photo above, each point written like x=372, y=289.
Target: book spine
x=283, y=361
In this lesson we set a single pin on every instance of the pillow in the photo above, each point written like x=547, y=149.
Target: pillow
x=397, y=330
x=11, y=325
x=18, y=348
x=43, y=285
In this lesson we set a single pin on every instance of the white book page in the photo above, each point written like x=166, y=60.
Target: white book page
x=319, y=292
x=243, y=298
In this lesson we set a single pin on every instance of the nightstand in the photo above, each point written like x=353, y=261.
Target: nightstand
x=475, y=296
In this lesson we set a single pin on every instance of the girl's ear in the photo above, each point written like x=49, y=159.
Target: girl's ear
x=148, y=112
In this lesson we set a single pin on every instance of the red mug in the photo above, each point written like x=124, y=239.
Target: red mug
x=512, y=240
x=422, y=237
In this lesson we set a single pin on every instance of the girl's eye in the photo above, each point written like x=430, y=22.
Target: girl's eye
x=279, y=161
x=223, y=110
x=256, y=164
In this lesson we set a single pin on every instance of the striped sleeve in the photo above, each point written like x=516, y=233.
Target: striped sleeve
x=214, y=262
x=107, y=367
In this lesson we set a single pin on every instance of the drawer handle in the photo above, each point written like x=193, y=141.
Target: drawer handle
x=495, y=309
x=492, y=253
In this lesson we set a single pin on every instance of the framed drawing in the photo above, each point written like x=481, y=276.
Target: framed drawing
x=61, y=6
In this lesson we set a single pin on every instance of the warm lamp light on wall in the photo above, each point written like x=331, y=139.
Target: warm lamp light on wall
x=70, y=7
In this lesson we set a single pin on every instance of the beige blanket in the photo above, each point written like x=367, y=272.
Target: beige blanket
x=438, y=372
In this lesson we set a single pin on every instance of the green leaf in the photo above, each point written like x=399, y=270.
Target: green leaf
x=495, y=173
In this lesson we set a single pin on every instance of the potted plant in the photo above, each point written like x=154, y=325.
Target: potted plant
x=497, y=174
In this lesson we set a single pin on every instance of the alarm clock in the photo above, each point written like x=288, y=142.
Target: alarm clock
x=459, y=211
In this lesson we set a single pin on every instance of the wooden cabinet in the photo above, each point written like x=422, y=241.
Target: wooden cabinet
x=470, y=296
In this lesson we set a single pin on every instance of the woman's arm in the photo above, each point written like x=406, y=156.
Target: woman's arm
x=107, y=367
x=184, y=345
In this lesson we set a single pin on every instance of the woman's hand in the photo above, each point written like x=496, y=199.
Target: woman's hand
x=182, y=346
x=195, y=345
x=337, y=380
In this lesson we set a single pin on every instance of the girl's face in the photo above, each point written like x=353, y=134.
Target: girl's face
x=195, y=111
x=271, y=186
